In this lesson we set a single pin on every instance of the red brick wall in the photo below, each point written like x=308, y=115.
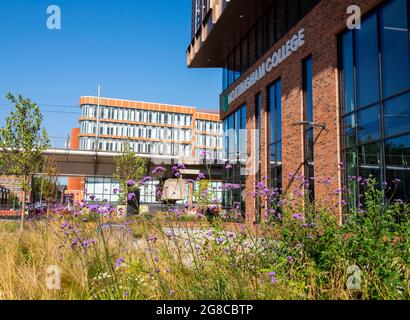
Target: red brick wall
x=322, y=25
x=75, y=185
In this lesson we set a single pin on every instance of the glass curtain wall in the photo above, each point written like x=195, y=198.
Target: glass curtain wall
x=235, y=138
x=275, y=133
x=375, y=94
x=280, y=16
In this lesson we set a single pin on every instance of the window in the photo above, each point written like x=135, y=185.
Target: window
x=275, y=133
x=308, y=127
x=376, y=103
x=235, y=136
x=280, y=22
x=270, y=27
x=367, y=63
x=395, y=48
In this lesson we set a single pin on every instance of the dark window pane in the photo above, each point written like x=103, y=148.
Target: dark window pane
x=292, y=12
x=348, y=72
x=398, y=151
x=367, y=62
x=369, y=171
x=401, y=190
x=271, y=27
x=252, y=47
x=351, y=162
x=231, y=65
x=350, y=130
x=368, y=128
x=369, y=154
x=272, y=99
x=237, y=66
x=306, y=6
x=259, y=39
x=280, y=25
x=278, y=111
x=225, y=76
x=395, y=48
x=308, y=88
x=310, y=145
x=397, y=115
x=279, y=152
x=244, y=57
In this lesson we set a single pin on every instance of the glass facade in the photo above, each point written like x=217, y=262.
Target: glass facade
x=280, y=17
x=235, y=153
x=101, y=189
x=309, y=158
x=275, y=133
x=106, y=189
x=375, y=92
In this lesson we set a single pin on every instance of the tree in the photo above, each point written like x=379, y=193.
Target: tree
x=22, y=142
x=128, y=167
x=46, y=187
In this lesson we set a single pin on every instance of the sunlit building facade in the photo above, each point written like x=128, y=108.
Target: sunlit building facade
x=149, y=129
x=329, y=101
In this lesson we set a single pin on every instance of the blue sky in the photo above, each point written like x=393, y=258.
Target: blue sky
x=134, y=48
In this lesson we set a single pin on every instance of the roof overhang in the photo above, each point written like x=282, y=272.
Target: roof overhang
x=218, y=37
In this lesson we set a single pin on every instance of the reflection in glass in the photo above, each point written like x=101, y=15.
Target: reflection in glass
x=367, y=62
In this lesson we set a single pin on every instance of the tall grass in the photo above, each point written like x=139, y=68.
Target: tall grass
x=296, y=253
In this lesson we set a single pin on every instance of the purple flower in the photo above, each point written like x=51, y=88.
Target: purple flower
x=396, y=181
x=119, y=262
x=203, y=153
x=126, y=294
x=272, y=276
x=88, y=243
x=201, y=176
x=297, y=216
x=131, y=196
x=158, y=170
x=290, y=259
x=152, y=238
x=220, y=240
x=130, y=183
x=177, y=212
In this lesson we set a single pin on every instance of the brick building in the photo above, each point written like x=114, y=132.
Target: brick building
x=320, y=93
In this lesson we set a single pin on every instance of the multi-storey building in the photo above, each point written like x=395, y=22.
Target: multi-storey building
x=13, y=187
x=149, y=128
x=321, y=82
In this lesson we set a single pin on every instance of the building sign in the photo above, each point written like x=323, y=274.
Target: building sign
x=291, y=46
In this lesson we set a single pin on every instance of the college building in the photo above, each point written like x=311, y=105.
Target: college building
x=106, y=125
x=308, y=91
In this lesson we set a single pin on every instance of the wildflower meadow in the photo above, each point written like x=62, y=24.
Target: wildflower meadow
x=297, y=252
